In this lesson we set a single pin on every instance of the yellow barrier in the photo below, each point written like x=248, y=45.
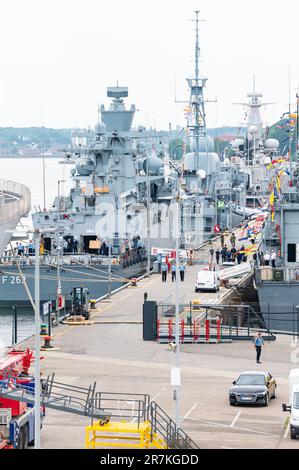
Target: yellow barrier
x=122, y=434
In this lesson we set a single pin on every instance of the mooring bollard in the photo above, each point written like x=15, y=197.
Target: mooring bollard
x=47, y=343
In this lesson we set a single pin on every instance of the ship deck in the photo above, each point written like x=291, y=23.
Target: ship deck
x=111, y=351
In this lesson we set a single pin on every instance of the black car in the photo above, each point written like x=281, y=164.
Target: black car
x=253, y=388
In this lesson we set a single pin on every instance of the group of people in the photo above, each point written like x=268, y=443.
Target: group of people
x=70, y=245
x=269, y=257
x=173, y=268
x=226, y=254
x=25, y=250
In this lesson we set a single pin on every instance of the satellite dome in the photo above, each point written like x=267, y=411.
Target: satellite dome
x=271, y=144
x=206, y=144
x=141, y=147
x=154, y=164
x=226, y=161
x=236, y=143
x=140, y=128
x=253, y=129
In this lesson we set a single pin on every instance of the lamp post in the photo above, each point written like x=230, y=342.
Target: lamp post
x=148, y=220
x=37, y=387
x=177, y=371
x=37, y=419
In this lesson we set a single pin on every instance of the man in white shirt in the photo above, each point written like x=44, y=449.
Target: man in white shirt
x=267, y=258
x=273, y=259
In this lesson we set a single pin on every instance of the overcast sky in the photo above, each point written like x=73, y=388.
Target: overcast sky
x=58, y=56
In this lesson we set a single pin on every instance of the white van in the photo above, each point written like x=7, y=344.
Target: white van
x=293, y=407
x=207, y=280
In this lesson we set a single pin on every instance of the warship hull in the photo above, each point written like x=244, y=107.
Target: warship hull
x=279, y=305
x=13, y=292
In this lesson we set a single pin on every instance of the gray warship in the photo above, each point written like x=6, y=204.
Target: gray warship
x=277, y=263
x=96, y=236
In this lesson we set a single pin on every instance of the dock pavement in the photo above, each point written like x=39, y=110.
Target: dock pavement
x=111, y=352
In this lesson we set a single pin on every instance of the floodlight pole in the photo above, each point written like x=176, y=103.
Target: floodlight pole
x=37, y=388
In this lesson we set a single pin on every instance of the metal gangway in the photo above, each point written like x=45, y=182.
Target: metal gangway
x=56, y=395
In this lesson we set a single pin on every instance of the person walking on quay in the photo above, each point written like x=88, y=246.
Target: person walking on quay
x=222, y=239
x=233, y=252
x=182, y=272
x=164, y=270
x=258, y=343
x=233, y=240
x=217, y=253
x=273, y=259
x=173, y=272
x=224, y=253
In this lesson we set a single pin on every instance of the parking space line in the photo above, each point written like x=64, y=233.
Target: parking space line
x=236, y=419
x=190, y=411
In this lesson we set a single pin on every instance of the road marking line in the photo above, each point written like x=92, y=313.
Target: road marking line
x=190, y=411
x=236, y=419
x=237, y=428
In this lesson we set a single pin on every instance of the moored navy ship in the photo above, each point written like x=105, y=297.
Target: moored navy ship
x=96, y=235
x=277, y=264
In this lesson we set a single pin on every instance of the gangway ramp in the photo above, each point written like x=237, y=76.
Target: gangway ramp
x=118, y=419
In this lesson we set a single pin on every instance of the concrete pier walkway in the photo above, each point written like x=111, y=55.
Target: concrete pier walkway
x=112, y=352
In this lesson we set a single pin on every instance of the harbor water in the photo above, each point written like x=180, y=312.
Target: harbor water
x=29, y=171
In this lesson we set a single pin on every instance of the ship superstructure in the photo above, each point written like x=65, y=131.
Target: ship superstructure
x=201, y=164
x=277, y=263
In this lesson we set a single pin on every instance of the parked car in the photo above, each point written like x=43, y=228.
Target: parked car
x=253, y=388
x=206, y=281
x=293, y=406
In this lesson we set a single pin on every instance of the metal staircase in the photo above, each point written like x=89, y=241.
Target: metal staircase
x=56, y=395
x=118, y=419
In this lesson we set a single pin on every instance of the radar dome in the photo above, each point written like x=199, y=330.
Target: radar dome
x=253, y=129
x=271, y=144
x=206, y=144
x=226, y=161
x=154, y=164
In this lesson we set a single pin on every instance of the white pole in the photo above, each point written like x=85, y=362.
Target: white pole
x=177, y=314
x=148, y=220
x=109, y=271
x=37, y=420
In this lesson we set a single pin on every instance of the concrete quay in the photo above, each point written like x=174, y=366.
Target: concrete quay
x=111, y=351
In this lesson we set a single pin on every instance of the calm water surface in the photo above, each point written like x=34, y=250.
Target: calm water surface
x=29, y=171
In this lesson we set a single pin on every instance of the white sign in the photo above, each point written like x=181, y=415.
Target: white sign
x=175, y=376
x=167, y=252
x=46, y=308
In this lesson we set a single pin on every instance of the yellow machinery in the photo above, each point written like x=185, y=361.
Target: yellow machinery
x=123, y=434
x=133, y=421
